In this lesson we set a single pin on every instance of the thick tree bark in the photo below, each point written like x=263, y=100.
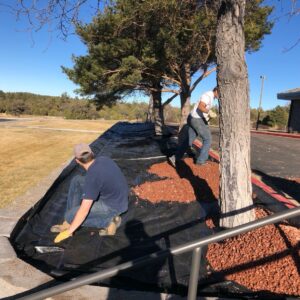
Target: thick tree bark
x=235, y=182
x=150, y=110
x=185, y=95
x=158, y=110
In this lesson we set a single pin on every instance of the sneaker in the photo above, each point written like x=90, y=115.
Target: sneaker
x=172, y=161
x=109, y=230
x=60, y=227
x=112, y=227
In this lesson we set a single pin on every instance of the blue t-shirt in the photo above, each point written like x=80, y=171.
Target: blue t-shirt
x=104, y=181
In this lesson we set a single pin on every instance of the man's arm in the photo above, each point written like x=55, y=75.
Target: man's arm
x=81, y=214
x=77, y=221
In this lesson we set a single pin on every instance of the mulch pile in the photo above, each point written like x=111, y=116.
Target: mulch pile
x=265, y=259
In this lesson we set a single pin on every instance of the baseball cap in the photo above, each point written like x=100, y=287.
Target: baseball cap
x=81, y=149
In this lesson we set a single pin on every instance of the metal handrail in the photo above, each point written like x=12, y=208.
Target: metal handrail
x=144, y=260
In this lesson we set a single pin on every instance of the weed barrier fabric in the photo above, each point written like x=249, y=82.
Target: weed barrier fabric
x=146, y=227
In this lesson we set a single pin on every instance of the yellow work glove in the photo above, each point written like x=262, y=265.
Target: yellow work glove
x=62, y=236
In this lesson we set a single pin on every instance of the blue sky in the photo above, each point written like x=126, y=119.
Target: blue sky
x=30, y=62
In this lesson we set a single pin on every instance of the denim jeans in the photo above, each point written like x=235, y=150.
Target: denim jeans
x=188, y=135
x=100, y=214
x=192, y=133
x=183, y=140
x=202, y=130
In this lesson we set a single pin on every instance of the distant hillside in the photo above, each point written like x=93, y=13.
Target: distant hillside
x=74, y=108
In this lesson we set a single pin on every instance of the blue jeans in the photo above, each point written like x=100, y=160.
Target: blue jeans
x=100, y=214
x=202, y=130
x=187, y=137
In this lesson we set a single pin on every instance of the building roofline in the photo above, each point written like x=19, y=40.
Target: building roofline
x=293, y=94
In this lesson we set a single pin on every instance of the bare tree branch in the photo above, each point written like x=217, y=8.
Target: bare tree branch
x=295, y=10
x=57, y=15
x=204, y=74
x=170, y=99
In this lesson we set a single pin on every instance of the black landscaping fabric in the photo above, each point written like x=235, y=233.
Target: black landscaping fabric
x=146, y=227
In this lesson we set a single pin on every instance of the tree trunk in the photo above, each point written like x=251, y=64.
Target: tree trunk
x=235, y=181
x=185, y=95
x=158, y=110
x=150, y=110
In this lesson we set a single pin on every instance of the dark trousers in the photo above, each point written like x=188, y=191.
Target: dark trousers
x=100, y=214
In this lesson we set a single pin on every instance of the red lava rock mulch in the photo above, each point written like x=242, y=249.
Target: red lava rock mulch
x=193, y=182
x=265, y=259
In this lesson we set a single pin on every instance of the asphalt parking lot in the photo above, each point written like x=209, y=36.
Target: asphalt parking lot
x=275, y=159
x=273, y=155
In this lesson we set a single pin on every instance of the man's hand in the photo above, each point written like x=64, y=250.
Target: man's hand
x=62, y=236
x=212, y=114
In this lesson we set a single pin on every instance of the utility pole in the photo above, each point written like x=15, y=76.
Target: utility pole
x=260, y=99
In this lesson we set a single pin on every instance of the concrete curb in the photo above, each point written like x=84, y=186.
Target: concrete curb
x=282, y=134
x=267, y=189
x=7, y=253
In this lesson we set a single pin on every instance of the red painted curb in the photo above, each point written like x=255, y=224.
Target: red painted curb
x=272, y=193
x=289, y=135
x=257, y=182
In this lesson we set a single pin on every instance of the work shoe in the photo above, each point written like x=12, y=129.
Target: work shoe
x=192, y=152
x=112, y=227
x=172, y=161
x=60, y=227
x=117, y=220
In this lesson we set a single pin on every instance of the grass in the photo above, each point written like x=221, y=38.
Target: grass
x=28, y=154
x=60, y=123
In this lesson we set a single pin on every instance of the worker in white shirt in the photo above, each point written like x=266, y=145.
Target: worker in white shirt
x=198, y=127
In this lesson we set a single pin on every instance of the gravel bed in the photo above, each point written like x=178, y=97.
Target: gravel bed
x=266, y=259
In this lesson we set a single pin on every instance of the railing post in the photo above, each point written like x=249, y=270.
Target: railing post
x=194, y=275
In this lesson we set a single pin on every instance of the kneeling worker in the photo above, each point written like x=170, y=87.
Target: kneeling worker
x=96, y=199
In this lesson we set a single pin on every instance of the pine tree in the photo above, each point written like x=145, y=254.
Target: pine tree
x=133, y=46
